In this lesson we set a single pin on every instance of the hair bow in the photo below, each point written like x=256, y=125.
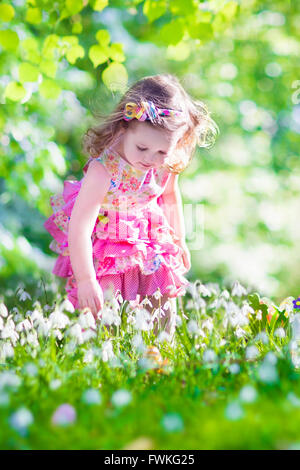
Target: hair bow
x=146, y=110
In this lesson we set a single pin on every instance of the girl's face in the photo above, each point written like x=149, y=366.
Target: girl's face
x=144, y=146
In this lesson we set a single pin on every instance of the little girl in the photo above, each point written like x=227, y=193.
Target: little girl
x=121, y=227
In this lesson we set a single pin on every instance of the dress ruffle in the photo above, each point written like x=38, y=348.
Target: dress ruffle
x=133, y=250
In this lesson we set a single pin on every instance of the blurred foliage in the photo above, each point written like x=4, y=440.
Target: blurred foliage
x=63, y=60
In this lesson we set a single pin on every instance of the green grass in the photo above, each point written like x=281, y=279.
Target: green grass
x=227, y=385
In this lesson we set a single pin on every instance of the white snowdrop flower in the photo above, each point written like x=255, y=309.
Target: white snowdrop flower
x=115, y=305
x=57, y=334
x=251, y=352
x=18, y=317
x=9, y=379
x=204, y=290
x=238, y=289
x=3, y=310
x=295, y=323
x=234, y=411
x=294, y=399
x=119, y=298
x=193, y=327
x=157, y=294
x=87, y=320
x=107, y=317
x=24, y=325
x=163, y=336
x=146, y=301
x=71, y=346
x=138, y=342
x=208, y=323
x=225, y=294
x=21, y=419
x=58, y=319
x=222, y=342
x=158, y=312
x=130, y=318
x=32, y=338
x=248, y=394
x=241, y=319
x=67, y=306
x=246, y=309
x=209, y=355
x=167, y=305
x=107, y=351
x=234, y=368
x=8, y=332
x=31, y=369
x=6, y=350
x=1, y=323
x=199, y=304
x=14, y=310
x=54, y=384
x=270, y=357
x=23, y=295
x=88, y=356
x=36, y=316
x=239, y=332
x=143, y=320
x=75, y=331
x=280, y=332
x=267, y=372
x=43, y=326
x=263, y=337
x=259, y=315
x=121, y=398
x=92, y=397
x=189, y=305
x=88, y=334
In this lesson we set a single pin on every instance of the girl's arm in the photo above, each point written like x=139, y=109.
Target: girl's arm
x=171, y=203
x=94, y=187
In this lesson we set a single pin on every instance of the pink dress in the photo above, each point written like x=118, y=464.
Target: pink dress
x=133, y=247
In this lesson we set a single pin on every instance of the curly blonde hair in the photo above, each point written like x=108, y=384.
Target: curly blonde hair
x=165, y=91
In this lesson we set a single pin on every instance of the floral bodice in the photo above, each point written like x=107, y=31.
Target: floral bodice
x=130, y=188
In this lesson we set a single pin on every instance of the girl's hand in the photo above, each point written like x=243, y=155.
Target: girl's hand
x=90, y=295
x=186, y=256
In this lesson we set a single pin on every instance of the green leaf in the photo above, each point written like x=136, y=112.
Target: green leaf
x=201, y=31
x=50, y=44
x=6, y=12
x=75, y=53
x=229, y=10
x=33, y=15
x=14, y=91
x=98, y=55
x=179, y=52
x=74, y=6
x=99, y=5
x=28, y=73
x=116, y=52
x=115, y=77
x=103, y=37
x=9, y=40
x=172, y=33
x=48, y=67
x=183, y=7
x=154, y=9
x=49, y=89
x=77, y=28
